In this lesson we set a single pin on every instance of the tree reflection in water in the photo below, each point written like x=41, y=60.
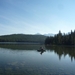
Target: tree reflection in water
x=63, y=50
x=59, y=50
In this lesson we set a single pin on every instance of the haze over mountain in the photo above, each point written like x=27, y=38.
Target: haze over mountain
x=49, y=34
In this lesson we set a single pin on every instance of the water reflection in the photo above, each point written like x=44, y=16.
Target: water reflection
x=59, y=50
x=27, y=60
x=63, y=50
x=41, y=51
x=21, y=47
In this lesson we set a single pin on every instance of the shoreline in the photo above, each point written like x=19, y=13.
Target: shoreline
x=33, y=43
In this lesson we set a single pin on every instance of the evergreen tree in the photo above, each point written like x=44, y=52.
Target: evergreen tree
x=59, y=39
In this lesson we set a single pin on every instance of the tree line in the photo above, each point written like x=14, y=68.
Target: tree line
x=23, y=38
x=61, y=39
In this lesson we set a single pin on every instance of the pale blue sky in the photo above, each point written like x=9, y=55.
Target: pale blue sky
x=36, y=16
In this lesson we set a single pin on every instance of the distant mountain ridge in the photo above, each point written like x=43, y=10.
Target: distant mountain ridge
x=49, y=34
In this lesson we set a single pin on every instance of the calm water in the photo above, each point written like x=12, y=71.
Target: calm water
x=26, y=60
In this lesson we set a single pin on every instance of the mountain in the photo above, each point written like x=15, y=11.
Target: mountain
x=22, y=38
x=38, y=34
x=49, y=34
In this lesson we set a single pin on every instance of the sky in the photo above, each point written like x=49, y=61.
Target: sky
x=36, y=16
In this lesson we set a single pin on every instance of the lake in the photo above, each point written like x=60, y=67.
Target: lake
x=26, y=60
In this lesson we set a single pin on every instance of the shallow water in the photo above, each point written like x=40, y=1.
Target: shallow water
x=26, y=60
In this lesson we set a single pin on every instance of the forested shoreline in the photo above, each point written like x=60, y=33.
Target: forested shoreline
x=23, y=38
x=58, y=39
x=61, y=39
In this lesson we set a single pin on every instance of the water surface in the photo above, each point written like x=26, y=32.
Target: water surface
x=26, y=60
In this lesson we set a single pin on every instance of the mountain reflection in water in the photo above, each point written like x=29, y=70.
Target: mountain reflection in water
x=59, y=50
x=26, y=60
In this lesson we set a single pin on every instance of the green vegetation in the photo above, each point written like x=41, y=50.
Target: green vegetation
x=23, y=38
x=61, y=39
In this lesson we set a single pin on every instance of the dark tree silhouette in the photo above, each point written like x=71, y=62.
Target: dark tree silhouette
x=61, y=39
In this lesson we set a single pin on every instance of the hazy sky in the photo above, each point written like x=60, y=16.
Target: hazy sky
x=36, y=16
